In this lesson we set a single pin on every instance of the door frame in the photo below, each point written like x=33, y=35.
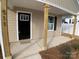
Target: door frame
x=17, y=23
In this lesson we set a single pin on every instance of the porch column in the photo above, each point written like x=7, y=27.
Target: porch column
x=5, y=34
x=45, y=25
x=74, y=28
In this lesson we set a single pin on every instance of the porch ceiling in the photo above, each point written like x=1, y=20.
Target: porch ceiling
x=33, y=4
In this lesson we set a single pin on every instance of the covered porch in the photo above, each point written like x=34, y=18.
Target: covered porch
x=40, y=37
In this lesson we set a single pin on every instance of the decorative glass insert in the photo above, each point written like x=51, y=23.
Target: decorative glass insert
x=24, y=17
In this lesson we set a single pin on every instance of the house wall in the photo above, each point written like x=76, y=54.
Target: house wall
x=37, y=24
x=21, y=48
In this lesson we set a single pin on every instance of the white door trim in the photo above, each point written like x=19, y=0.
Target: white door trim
x=17, y=24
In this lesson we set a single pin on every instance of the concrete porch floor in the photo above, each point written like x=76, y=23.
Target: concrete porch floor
x=31, y=50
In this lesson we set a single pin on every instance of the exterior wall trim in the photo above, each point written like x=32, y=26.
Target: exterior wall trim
x=17, y=23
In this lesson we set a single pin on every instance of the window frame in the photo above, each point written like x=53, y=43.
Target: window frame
x=52, y=23
x=17, y=24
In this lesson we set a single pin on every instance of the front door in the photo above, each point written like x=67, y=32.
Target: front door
x=24, y=25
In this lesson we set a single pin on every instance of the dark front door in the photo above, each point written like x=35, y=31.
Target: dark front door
x=24, y=25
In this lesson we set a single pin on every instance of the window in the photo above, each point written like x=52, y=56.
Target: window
x=24, y=17
x=51, y=23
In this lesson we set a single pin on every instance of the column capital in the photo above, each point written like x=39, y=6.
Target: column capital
x=46, y=5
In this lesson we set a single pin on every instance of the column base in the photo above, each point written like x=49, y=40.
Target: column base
x=8, y=57
x=73, y=38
